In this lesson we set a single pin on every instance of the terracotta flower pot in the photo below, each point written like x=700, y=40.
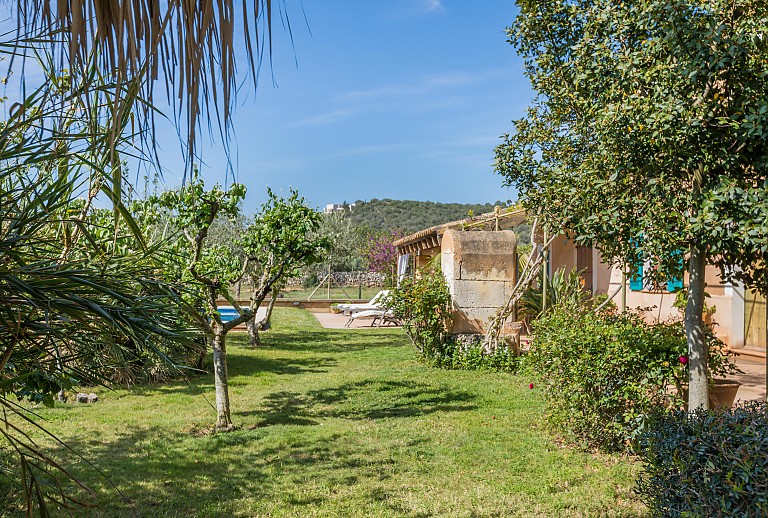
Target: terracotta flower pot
x=722, y=393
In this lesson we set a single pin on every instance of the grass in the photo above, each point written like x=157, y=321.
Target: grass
x=336, y=423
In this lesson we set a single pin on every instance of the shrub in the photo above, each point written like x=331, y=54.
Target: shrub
x=423, y=305
x=706, y=463
x=602, y=372
x=468, y=353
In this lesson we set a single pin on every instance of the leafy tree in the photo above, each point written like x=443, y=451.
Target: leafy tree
x=279, y=240
x=348, y=241
x=347, y=253
x=282, y=238
x=647, y=137
x=193, y=210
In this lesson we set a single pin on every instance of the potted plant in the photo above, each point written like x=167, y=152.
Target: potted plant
x=707, y=312
x=722, y=391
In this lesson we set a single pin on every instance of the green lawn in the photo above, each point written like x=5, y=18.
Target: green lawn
x=336, y=423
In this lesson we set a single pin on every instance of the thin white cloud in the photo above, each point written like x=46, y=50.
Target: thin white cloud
x=421, y=94
x=368, y=150
x=423, y=85
x=432, y=6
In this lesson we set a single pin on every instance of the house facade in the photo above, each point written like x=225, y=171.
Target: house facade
x=739, y=314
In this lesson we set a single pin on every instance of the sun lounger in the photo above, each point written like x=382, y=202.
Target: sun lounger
x=376, y=303
x=379, y=317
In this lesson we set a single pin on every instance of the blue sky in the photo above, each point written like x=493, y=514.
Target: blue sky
x=401, y=99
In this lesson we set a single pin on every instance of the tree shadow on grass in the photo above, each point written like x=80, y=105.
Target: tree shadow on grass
x=333, y=340
x=153, y=472
x=367, y=399
x=238, y=365
x=245, y=365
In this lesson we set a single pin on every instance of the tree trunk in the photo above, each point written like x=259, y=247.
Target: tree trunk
x=223, y=419
x=253, y=332
x=268, y=317
x=698, y=381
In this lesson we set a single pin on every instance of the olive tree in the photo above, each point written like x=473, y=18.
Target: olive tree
x=648, y=137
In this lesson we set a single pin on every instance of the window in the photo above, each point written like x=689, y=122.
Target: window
x=640, y=281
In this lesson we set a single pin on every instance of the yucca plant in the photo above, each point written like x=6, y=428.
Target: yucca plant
x=72, y=307
x=561, y=287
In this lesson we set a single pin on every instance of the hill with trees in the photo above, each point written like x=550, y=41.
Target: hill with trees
x=411, y=216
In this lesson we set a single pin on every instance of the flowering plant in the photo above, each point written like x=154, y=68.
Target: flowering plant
x=382, y=253
x=719, y=358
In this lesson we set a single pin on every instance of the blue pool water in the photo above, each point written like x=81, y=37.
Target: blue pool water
x=227, y=313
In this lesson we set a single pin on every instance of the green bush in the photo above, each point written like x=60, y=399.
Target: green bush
x=707, y=463
x=467, y=352
x=423, y=305
x=601, y=372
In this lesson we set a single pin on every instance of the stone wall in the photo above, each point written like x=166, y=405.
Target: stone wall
x=347, y=279
x=480, y=268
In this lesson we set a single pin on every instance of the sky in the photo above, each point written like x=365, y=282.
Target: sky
x=402, y=99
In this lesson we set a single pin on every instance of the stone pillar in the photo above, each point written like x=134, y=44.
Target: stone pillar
x=479, y=267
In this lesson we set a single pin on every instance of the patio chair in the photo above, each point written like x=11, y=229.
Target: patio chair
x=374, y=304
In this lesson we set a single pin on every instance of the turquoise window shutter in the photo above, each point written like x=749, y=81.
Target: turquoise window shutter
x=676, y=284
x=636, y=280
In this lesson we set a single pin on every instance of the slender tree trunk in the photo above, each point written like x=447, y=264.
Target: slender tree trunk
x=253, y=332
x=698, y=381
x=268, y=317
x=223, y=419
x=254, y=327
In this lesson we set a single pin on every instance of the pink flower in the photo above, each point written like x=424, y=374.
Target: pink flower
x=530, y=385
x=683, y=359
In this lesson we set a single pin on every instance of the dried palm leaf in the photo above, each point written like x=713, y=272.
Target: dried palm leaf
x=186, y=45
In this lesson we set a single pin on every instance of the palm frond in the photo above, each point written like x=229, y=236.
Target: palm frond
x=188, y=47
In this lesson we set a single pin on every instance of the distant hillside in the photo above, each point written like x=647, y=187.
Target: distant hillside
x=412, y=216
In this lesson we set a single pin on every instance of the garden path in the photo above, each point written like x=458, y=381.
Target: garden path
x=338, y=321
x=752, y=379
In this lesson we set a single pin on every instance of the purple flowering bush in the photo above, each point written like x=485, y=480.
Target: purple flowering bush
x=381, y=253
